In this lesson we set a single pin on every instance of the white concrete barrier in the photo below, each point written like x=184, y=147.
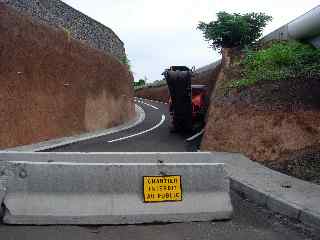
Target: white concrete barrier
x=50, y=188
x=304, y=27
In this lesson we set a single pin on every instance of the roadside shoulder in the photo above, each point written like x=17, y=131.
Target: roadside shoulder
x=54, y=143
x=278, y=192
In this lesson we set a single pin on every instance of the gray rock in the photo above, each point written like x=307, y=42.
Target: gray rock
x=81, y=27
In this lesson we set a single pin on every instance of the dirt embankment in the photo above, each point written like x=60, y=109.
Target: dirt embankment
x=155, y=93
x=161, y=93
x=207, y=75
x=276, y=123
x=53, y=86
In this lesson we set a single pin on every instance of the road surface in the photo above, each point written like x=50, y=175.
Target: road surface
x=249, y=221
x=152, y=135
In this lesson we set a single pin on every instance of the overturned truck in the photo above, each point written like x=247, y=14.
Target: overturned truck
x=188, y=103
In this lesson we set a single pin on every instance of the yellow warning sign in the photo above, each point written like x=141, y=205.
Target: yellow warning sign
x=162, y=188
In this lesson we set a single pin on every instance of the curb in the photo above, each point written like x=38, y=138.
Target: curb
x=280, y=193
x=59, y=142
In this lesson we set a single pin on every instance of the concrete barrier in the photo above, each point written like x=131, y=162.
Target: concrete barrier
x=108, y=188
x=304, y=27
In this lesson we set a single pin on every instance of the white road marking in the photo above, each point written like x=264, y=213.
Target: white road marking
x=163, y=118
x=195, y=136
x=149, y=105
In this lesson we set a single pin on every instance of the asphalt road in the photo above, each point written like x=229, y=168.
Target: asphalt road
x=249, y=221
x=158, y=140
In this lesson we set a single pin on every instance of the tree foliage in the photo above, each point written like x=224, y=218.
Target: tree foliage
x=139, y=83
x=234, y=30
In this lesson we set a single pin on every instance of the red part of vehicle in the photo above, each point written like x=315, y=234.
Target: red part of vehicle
x=199, y=103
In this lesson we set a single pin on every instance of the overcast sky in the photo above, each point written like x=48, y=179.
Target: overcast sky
x=161, y=33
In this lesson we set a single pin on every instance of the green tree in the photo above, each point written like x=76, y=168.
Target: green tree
x=142, y=82
x=234, y=30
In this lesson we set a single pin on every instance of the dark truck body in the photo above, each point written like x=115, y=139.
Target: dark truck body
x=188, y=103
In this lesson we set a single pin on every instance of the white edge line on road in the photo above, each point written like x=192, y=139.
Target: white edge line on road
x=150, y=100
x=195, y=136
x=149, y=105
x=163, y=118
x=114, y=164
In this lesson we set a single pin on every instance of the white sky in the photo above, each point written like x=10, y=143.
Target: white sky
x=158, y=34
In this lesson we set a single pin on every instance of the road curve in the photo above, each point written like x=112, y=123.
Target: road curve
x=152, y=135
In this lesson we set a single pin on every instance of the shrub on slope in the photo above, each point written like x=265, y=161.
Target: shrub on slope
x=281, y=61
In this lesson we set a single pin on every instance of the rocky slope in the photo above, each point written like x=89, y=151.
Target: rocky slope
x=81, y=27
x=53, y=86
x=276, y=123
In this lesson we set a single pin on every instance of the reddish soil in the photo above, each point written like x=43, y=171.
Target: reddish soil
x=275, y=123
x=262, y=135
x=53, y=86
x=283, y=139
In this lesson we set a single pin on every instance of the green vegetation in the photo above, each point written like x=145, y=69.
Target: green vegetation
x=234, y=30
x=140, y=83
x=280, y=61
x=125, y=60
